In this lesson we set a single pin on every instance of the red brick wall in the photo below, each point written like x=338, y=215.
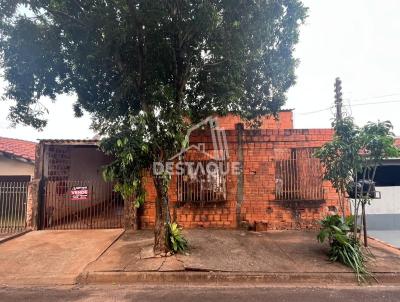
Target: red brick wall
x=284, y=121
x=259, y=204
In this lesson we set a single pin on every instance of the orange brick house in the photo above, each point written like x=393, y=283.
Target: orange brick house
x=278, y=185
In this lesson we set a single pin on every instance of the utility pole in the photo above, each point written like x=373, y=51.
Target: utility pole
x=339, y=117
x=338, y=99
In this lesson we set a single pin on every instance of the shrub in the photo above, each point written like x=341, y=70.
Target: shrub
x=176, y=240
x=344, y=247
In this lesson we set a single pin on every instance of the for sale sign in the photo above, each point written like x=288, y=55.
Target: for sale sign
x=80, y=193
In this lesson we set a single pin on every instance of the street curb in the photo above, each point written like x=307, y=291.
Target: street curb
x=232, y=277
x=16, y=235
x=384, y=243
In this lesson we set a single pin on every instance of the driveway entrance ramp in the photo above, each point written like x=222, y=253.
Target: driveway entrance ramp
x=52, y=257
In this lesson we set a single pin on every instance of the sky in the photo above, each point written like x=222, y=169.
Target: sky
x=356, y=40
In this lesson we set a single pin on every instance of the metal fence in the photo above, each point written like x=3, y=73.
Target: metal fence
x=13, y=201
x=81, y=204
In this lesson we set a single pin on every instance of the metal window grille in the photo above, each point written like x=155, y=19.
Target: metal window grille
x=298, y=175
x=204, y=183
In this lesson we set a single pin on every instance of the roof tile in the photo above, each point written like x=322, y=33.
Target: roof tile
x=18, y=148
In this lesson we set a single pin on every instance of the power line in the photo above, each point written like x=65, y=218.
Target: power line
x=350, y=105
x=373, y=97
x=316, y=111
x=350, y=113
x=375, y=103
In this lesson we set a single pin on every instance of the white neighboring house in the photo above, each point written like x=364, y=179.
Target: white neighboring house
x=17, y=160
x=384, y=213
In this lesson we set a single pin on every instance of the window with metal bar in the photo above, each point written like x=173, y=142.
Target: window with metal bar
x=202, y=181
x=298, y=175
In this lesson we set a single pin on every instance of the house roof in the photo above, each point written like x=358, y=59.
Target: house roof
x=17, y=148
x=91, y=142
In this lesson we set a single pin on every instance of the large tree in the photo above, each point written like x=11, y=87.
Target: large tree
x=145, y=69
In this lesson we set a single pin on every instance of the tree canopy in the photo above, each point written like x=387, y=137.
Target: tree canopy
x=144, y=70
x=186, y=58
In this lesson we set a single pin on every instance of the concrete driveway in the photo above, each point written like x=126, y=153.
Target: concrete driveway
x=52, y=257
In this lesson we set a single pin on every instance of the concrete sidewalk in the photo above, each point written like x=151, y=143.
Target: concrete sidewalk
x=51, y=257
x=232, y=255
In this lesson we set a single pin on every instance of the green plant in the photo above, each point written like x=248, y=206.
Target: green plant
x=353, y=156
x=332, y=225
x=147, y=71
x=176, y=241
x=344, y=247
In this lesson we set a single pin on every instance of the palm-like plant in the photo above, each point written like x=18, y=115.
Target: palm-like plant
x=344, y=247
x=177, y=242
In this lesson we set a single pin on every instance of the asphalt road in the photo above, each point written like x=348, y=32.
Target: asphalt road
x=197, y=294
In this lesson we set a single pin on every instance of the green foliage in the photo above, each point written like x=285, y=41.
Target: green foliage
x=356, y=151
x=330, y=226
x=187, y=58
x=146, y=70
x=344, y=247
x=378, y=142
x=340, y=157
x=126, y=169
x=349, y=251
x=176, y=241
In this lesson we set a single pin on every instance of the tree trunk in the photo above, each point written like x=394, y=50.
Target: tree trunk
x=342, y=205
x=364, y=218
x=130, y=214
x=161, y=245
x=355, y=208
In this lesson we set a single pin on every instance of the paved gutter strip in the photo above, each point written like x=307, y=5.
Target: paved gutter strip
x=384, y=243
x=216, y=278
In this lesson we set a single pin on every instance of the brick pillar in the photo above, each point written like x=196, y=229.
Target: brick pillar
x=240, y=177
x=32, y=208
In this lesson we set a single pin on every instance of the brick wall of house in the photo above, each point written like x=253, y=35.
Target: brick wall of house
x=283, y=121
x=253, y=201
x=58, y=163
